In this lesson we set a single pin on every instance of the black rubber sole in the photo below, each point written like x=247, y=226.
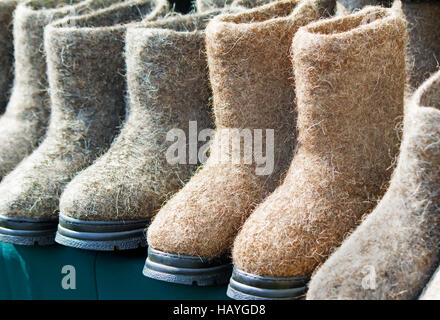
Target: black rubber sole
x=27, y=231
x=187, y=270
x=101, y=235
x=246, y=286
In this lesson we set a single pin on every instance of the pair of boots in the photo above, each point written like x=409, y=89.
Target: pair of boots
x=108, y=205
x=349, y=82
x=25, y=121
x=83, y=93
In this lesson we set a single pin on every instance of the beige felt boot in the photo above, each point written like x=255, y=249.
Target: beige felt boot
x=25, y=121
x=250, y=73
x=350, y=78
x=129, y=184
x=432, y=290
x=86, y=68
x=395, y=250
x=7, y=8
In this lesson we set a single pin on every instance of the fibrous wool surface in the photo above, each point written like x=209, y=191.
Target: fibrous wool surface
x=350, y=77
x=424, y=34
x=393, y=253
x=24, y=124
x=432, y=290
x=87, y=86
x=250, y=3
x=7, y=8
x=168, y=87
x=326, y=6
x=352, y=5
x=424, y=39
x=207, y=5
x=250, y=74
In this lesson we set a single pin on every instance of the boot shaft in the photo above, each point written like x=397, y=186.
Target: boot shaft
x=250, y=72
x=29, y=21
x=165, y=51
x=29, y=95
x=86, y=67
x=350, y=80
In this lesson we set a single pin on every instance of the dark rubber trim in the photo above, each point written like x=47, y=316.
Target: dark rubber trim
x=246, y=286
x=188, y=270
x=101, y=235
x=27, y=231
x=101, y=226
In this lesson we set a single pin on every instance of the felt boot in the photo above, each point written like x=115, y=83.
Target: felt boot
x=129, y=184
x=25, y=121
x=7, y=8
x=432, y=290
x=250, y=72
x=393, y=253
x=350, y=80
x=86, y=69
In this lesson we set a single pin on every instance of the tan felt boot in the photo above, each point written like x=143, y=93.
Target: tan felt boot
x=250, y=73
x=350, y=79
x=168, y=89
x=86, y=68
x=395, y=250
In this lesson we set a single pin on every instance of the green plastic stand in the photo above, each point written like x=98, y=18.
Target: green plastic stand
x=57, y=272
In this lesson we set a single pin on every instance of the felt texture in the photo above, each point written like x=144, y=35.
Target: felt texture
x=394, y=252
x=250, y=72
x=24, y=123
x=250, y=3
x=7, y=8
x=432, y=290
x=353, y=5
x=168, y=87
x=86, y=67
x=424, y=40
x=424, y=34
x=207, y=5
x=350, y=79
